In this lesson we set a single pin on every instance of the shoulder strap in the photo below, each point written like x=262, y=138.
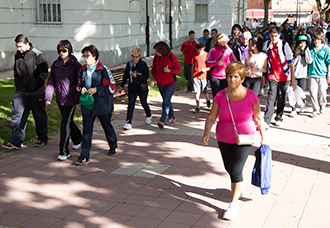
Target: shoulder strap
x=222, y=53
x=231, y=114
x=171, y=61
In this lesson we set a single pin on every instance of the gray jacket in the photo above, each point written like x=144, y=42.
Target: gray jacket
x=300, y=62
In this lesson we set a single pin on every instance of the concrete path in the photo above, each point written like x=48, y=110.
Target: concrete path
x=166, y=179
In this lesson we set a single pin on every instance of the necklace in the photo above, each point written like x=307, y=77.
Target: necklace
x=235, y=94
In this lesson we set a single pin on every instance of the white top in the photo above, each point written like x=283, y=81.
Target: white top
x=258, y=60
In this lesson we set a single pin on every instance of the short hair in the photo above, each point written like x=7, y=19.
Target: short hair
x=21, y=38
x=234, y=27
x=136, y=50
x=275, y=29
x=234, y=67
x=92, y=49
x=258, y=42
x=215, y=30
x=191, y=32
x=162, y=48
x=206, y=30
x=319, y=35
x=221, y=35
x=64, y=44
x=247, y=34
x=199, y=44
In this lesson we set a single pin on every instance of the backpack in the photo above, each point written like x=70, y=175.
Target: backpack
x=283, y=49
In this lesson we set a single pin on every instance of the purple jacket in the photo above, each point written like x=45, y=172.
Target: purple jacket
x=64, y=79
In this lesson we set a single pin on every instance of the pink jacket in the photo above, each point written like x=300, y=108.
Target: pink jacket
x=212, y=60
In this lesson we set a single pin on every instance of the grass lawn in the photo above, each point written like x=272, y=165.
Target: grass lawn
x=7, y=88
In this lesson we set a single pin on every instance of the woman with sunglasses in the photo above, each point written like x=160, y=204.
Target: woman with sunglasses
x=63, y=79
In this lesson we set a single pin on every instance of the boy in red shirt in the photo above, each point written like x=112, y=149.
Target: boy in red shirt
x=188, y=49
x=199, y=70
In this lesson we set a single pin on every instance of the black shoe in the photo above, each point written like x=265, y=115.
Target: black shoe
x=81, y=161
x=112, y=151
x=10, y=146
x=40, y=143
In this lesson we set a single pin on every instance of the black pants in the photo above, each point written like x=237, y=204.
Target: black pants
x=234, y=157
x=88, y=123
x=20, y=110
x=252, y=83
x=131, y=104
x=302, y=83
x=188, y=75
x=68, y=128
x=217, y=85
x=279, y=90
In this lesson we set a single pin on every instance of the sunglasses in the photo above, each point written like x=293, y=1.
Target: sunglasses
x=62, y=50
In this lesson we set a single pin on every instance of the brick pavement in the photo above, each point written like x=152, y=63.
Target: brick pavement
x=164, y=178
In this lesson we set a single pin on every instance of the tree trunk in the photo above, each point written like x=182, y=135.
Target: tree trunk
x=322, y=10
x=266, y=6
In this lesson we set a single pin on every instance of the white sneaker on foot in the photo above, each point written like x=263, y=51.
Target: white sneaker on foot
x=127, y=126
x=76, y=147
x=63, y=157
x=293, y=114
x=302, y=109
x=266, y=126
x=149, y=120
x=278, y=123
x=232, y=212
x=322, y=109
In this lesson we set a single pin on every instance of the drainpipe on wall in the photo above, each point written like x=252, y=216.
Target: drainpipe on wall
x=147, y=30
x=170, y=20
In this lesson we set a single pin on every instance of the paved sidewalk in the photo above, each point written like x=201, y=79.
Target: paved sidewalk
x=164, y=178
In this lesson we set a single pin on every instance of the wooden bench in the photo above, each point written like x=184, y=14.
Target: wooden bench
x=118, y=74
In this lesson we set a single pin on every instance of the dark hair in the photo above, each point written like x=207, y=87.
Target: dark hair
x=191, y=32
x=65, y=44
x=199, y=44
x=162, y=48
x=275, y=29
x=214, y=30
x=261, y=33
x=206, y=30
x=236, y=26
x=21, y=39
x=319, y=35
x=92, y=49
x=258, y=42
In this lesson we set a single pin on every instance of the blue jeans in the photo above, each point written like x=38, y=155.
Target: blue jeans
x=167, y=109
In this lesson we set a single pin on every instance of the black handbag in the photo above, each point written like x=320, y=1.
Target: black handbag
x=143, y=86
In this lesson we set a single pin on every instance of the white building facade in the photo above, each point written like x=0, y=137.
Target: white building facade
x=114, y=27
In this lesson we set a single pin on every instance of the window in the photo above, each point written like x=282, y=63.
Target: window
x=201, y=10
x=49, y=11
x=315, y=15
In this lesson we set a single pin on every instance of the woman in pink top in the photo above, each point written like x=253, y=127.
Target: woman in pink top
x=217, y=60
x=244, y=104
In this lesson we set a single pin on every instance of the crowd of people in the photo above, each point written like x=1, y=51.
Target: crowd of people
x=238, y=68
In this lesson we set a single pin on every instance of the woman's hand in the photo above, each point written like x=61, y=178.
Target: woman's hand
x=205, y=140
x=134, y=75
x=47, y=102
x=91, y=91
x=83, y=90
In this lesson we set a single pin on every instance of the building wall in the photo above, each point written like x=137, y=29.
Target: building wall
x=114, y=27
x=222, y=16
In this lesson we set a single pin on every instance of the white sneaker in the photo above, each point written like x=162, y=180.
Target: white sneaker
x=322, y=109
x=266, y=126
x=302, y=109
x=278, y=123
x=232, y=212
x=127, y=126
x=149, y=120
x=63, y=157
x=76, y=147
x=262, y=91
x=293, y=114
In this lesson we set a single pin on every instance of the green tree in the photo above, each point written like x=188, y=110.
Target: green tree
x=266, y=6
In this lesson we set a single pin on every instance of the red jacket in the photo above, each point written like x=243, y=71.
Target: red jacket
x=162, y=78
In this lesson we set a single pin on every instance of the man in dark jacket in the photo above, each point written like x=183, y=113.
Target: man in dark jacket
x=288, y=34
x=30, y=73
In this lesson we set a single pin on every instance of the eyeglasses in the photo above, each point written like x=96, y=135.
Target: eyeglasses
x=62, y=50
x=135, y=56
x=86, y=56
